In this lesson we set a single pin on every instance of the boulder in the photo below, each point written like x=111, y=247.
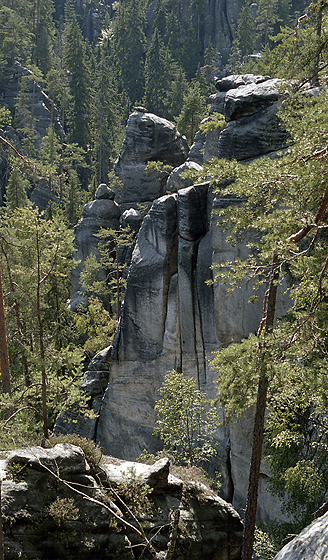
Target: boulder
x=251, y=98
x=104, y=192
x=131, y=218
x=235, y=81
x=176, y=181
x=55, y=506
x=148, y=138
x=253, y=136
x=249, y=104
x=310, y=544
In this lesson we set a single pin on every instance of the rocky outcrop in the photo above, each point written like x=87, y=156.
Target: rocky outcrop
x=310, y=544
x=54, y=505
x=249, y=104
x=20, y=80
x=171, y=316
x=148, y=138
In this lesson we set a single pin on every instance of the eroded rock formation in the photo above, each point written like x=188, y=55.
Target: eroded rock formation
x=310, y=544
x=171, y=318
x=47, y=513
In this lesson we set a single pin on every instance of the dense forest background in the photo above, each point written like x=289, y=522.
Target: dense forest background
x=96, y=62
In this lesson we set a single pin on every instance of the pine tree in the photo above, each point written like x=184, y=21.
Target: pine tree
x=77, y=64
x=158, y=77
x=129, y=47
x=246, y=30
x=17, y=188
x=290, y=221
x=193, y=111
x=107, y=115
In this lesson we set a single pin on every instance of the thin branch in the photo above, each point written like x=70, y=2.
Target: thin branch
x=25, y=160
x=296, y=237
x=20, y=410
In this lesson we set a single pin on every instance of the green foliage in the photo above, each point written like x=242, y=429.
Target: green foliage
x=216, y=121
x=132, y=494
x=296, y=439
x=5, y=117
x=193, y=111
x=17, y=188
x=264, y=546
x=36, y=255
x=63, y=510
x=95, y=326
x=278, y=207
x=239, y=367
x=78, y=67
x=111, y=243
x=186, y=423
x=129, y=30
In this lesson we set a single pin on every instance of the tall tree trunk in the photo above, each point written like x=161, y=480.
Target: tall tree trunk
x=318, y=28
x=258, y=430
x=41, y=342
x=4, y=357
x=18, y=321
x=1, y=529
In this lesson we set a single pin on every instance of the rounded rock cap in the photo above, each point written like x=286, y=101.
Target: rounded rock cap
x=104, y=192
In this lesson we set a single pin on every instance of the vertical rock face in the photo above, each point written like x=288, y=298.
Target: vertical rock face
x=20, y=80
x=172, y=318
x=103, y=212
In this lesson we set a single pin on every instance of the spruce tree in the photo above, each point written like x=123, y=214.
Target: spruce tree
x=158, y=75
x=129, y=47
x=77, y=65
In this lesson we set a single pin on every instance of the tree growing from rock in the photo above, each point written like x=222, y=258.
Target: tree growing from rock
x=285, y=203
x=186, y=423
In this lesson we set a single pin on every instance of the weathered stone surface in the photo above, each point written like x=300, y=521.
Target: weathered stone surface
x=131, y=218
x=172, y=319
x=253, y=136
x=99, y=213
x=217, y=101
x=37, y=101
x=176, y=182
x=236, y=80
x=141, y=327
x=63, y=459
x=310, y=544
x=249, y=104
x=205, y=146
x=104, y=192
x=31, y=496
x=252, y=98
x=147, y=138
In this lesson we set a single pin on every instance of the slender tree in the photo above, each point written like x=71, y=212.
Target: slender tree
x=4, y=356
x=77, y=65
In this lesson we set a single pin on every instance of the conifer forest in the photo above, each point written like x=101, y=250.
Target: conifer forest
x=91, y=64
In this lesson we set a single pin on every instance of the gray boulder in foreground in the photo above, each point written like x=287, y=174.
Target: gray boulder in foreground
x=47, y=514
x=310, y=544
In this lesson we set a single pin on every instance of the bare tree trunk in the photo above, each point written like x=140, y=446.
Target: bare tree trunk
x=18, y=320
x=258, y=430
x=41, y=342
x=2, y=554
x=4, y=357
